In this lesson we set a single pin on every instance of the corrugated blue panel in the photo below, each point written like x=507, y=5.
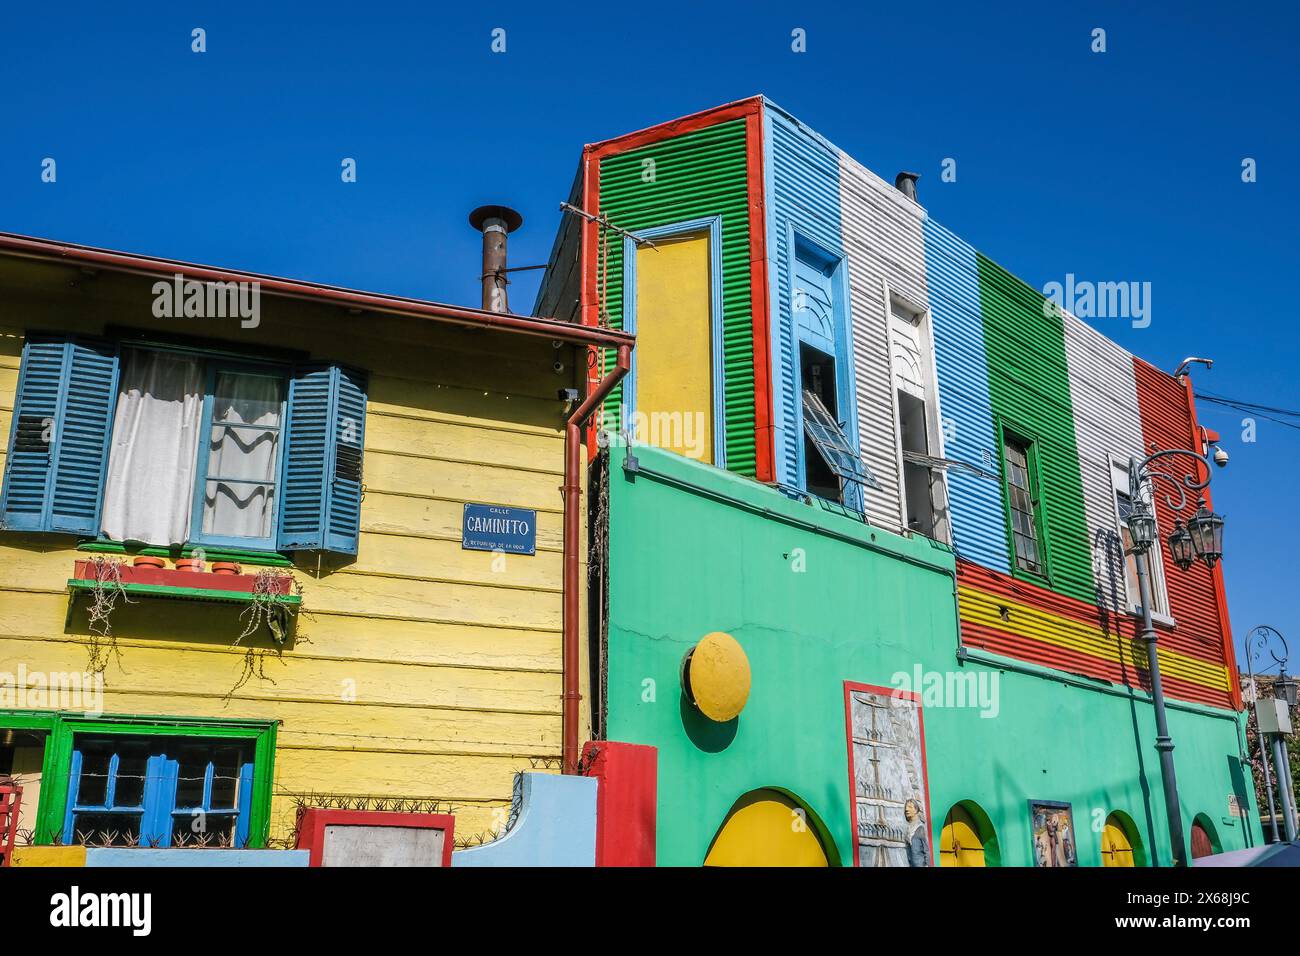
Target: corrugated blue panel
x=978, y=522
x=803, y=190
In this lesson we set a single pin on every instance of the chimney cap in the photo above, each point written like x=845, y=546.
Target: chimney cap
x=482, y=214
x=905, y=182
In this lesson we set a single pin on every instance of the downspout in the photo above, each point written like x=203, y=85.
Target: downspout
x=572, y=529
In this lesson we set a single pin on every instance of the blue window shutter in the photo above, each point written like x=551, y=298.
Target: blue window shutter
x=74, y=783
x=58, y=449
x=320, y=507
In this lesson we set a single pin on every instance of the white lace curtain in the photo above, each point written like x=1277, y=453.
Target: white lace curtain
x=150, y=490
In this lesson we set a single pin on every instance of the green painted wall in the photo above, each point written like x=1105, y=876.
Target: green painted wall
x=1029, y=385
x=723, y=557
x=694, y=175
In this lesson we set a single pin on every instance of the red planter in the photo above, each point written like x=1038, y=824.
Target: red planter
x=189, y=564
x=225, y=567
x=149, y=561
x=176, y=578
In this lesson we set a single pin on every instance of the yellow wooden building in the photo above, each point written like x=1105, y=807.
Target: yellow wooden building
x=417, y=670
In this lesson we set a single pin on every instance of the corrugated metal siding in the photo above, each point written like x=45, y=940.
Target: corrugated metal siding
x=1106, y=424
x=697, y=174
x=1030, y=388
x=884, y=239
x=978, y=520
x=1031, y=623
x=559, y=291
x=1167, y=423
x=804, y=189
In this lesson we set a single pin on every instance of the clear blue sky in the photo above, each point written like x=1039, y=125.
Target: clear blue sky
x=1119, y=166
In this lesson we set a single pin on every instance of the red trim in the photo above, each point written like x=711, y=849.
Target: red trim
x=312, y=824
x=1220, y=591
x=294, y=288
x=684, y=124
x=759, y=301
x=849, y=688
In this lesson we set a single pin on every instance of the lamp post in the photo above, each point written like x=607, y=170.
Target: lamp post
x=1200, y=538
x=1257, y=640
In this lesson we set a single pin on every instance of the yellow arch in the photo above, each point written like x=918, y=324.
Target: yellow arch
x=1116, y=847
x=960, y=843
x=767, y=828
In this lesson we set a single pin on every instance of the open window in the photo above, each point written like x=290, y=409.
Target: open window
x=924, y=495
x=832, y=467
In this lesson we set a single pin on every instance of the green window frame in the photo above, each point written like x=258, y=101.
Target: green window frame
x=63, y=729
x=1022, y=502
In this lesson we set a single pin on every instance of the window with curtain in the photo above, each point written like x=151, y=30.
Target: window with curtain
x=1022, y=504
x=195, y=451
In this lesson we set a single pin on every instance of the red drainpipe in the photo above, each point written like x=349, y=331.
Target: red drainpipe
x=572, y=530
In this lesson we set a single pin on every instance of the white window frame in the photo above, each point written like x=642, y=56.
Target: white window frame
x=933, y=412
x=1119, y=485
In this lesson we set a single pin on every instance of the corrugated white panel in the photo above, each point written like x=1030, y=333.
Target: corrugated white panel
x=884, y=240
x=978, y=521
x=1107, y=423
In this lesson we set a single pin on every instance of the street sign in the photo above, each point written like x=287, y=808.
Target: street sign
x=498, y=528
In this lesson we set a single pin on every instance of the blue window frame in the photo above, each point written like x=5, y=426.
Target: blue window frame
x=251, y=423
x=159, y=792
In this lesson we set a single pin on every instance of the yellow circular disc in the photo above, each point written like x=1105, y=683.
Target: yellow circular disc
x=718, y=676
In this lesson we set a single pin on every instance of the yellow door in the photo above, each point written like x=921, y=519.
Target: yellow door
x=1116, y=848
x=959, y=841
x=674, y=347
x=766, y=828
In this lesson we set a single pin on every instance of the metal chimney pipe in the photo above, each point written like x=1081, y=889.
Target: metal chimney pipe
x=905, y=183
x=495, y=222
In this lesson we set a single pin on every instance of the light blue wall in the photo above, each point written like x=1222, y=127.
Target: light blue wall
x=556, y=826
x=148, y=857
x=978, y=521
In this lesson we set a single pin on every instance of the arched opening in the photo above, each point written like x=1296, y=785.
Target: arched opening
x=770, y=827
x=1205, y=839
x=1121, y=843
x=968, y=837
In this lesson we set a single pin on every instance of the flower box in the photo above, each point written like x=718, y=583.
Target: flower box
x=192, y=585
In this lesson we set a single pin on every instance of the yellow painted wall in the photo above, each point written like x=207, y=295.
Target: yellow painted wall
x=674, y=365
x=453, y=656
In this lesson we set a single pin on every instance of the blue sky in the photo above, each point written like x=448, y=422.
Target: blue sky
x=1117, y=166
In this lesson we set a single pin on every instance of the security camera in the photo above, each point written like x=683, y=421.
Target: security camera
x=1220, y=457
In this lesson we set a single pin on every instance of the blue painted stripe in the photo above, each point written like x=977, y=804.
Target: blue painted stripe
x=978, y=523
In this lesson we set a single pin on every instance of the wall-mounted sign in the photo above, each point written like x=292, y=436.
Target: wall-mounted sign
x=1053, y=829
x=498, y=528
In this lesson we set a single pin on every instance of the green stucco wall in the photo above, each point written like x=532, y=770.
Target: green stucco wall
x=723, y=556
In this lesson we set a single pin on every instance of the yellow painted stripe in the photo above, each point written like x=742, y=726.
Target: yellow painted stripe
x=1023, y=620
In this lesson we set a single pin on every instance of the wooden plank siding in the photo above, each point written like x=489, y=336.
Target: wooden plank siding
x=453, y=656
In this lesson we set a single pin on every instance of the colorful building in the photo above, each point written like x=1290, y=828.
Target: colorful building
x=311, y=436
x=807, y=325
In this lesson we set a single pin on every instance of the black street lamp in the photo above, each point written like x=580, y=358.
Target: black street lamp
x=1201, y=538
x=1257, y=640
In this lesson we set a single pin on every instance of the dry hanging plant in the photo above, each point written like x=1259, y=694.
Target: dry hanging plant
x=104, y=596
x=265, y=608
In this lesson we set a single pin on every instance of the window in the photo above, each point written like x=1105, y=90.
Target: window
x=159, y=791
x=1023, y=504
x=831, y=465
x=195, y=451
x=166, y=444
x=1132, y=591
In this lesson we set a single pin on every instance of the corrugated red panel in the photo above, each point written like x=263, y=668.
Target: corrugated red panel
x=1165, y=407
x=1123, y=626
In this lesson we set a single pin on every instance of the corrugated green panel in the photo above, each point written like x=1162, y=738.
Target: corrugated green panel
x=1029, y=385
x=696, y=175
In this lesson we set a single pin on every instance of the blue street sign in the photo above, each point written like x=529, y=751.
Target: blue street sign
x=497, y=528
